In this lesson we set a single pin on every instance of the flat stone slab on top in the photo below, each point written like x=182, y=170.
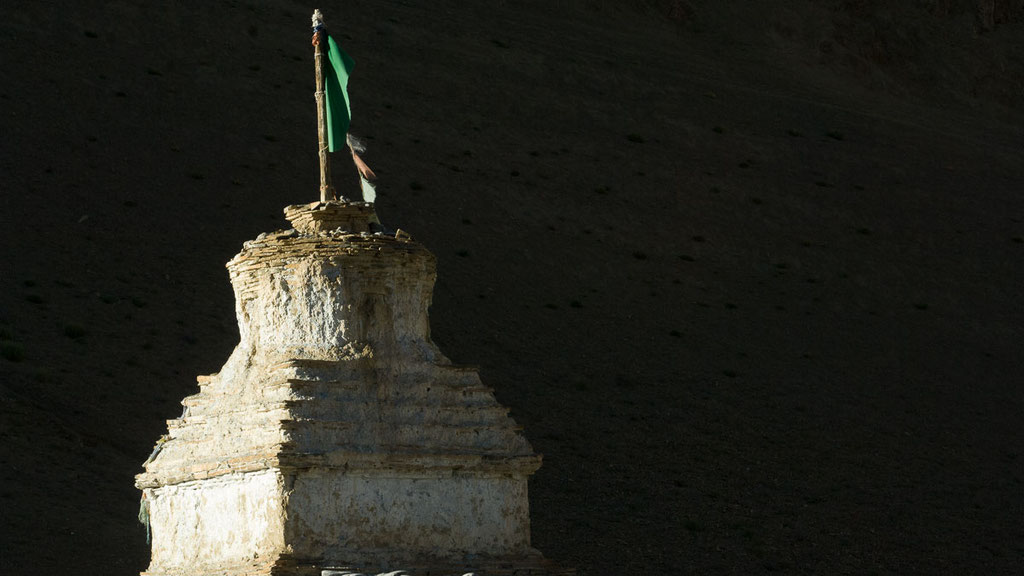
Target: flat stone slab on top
x=331, y=215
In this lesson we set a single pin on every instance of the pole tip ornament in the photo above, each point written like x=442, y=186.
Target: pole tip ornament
x=318, y=18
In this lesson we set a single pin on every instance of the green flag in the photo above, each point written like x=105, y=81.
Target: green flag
x=339, y=114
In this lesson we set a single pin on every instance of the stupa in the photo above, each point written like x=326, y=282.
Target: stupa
x=337, y=438
x=337, y=435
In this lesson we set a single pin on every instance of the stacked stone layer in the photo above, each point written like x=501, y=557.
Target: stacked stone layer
x=327, y=216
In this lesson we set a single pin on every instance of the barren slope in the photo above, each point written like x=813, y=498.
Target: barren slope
x=759, y=310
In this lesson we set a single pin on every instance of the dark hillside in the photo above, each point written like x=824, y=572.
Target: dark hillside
x=748, y=273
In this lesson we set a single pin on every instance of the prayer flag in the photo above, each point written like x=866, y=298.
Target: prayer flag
x=339, y=113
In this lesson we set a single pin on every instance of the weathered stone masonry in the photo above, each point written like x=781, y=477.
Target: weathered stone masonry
x=337, y=434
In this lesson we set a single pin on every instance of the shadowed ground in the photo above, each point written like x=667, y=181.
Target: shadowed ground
x=748, y=273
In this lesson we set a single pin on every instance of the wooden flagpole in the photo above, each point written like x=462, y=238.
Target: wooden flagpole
x=319, y=39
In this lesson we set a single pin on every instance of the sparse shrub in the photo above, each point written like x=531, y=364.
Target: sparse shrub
x=623, y=381
x=12, y=351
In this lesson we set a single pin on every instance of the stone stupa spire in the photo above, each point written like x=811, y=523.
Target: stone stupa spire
x=337, y=434
x=337, y=437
